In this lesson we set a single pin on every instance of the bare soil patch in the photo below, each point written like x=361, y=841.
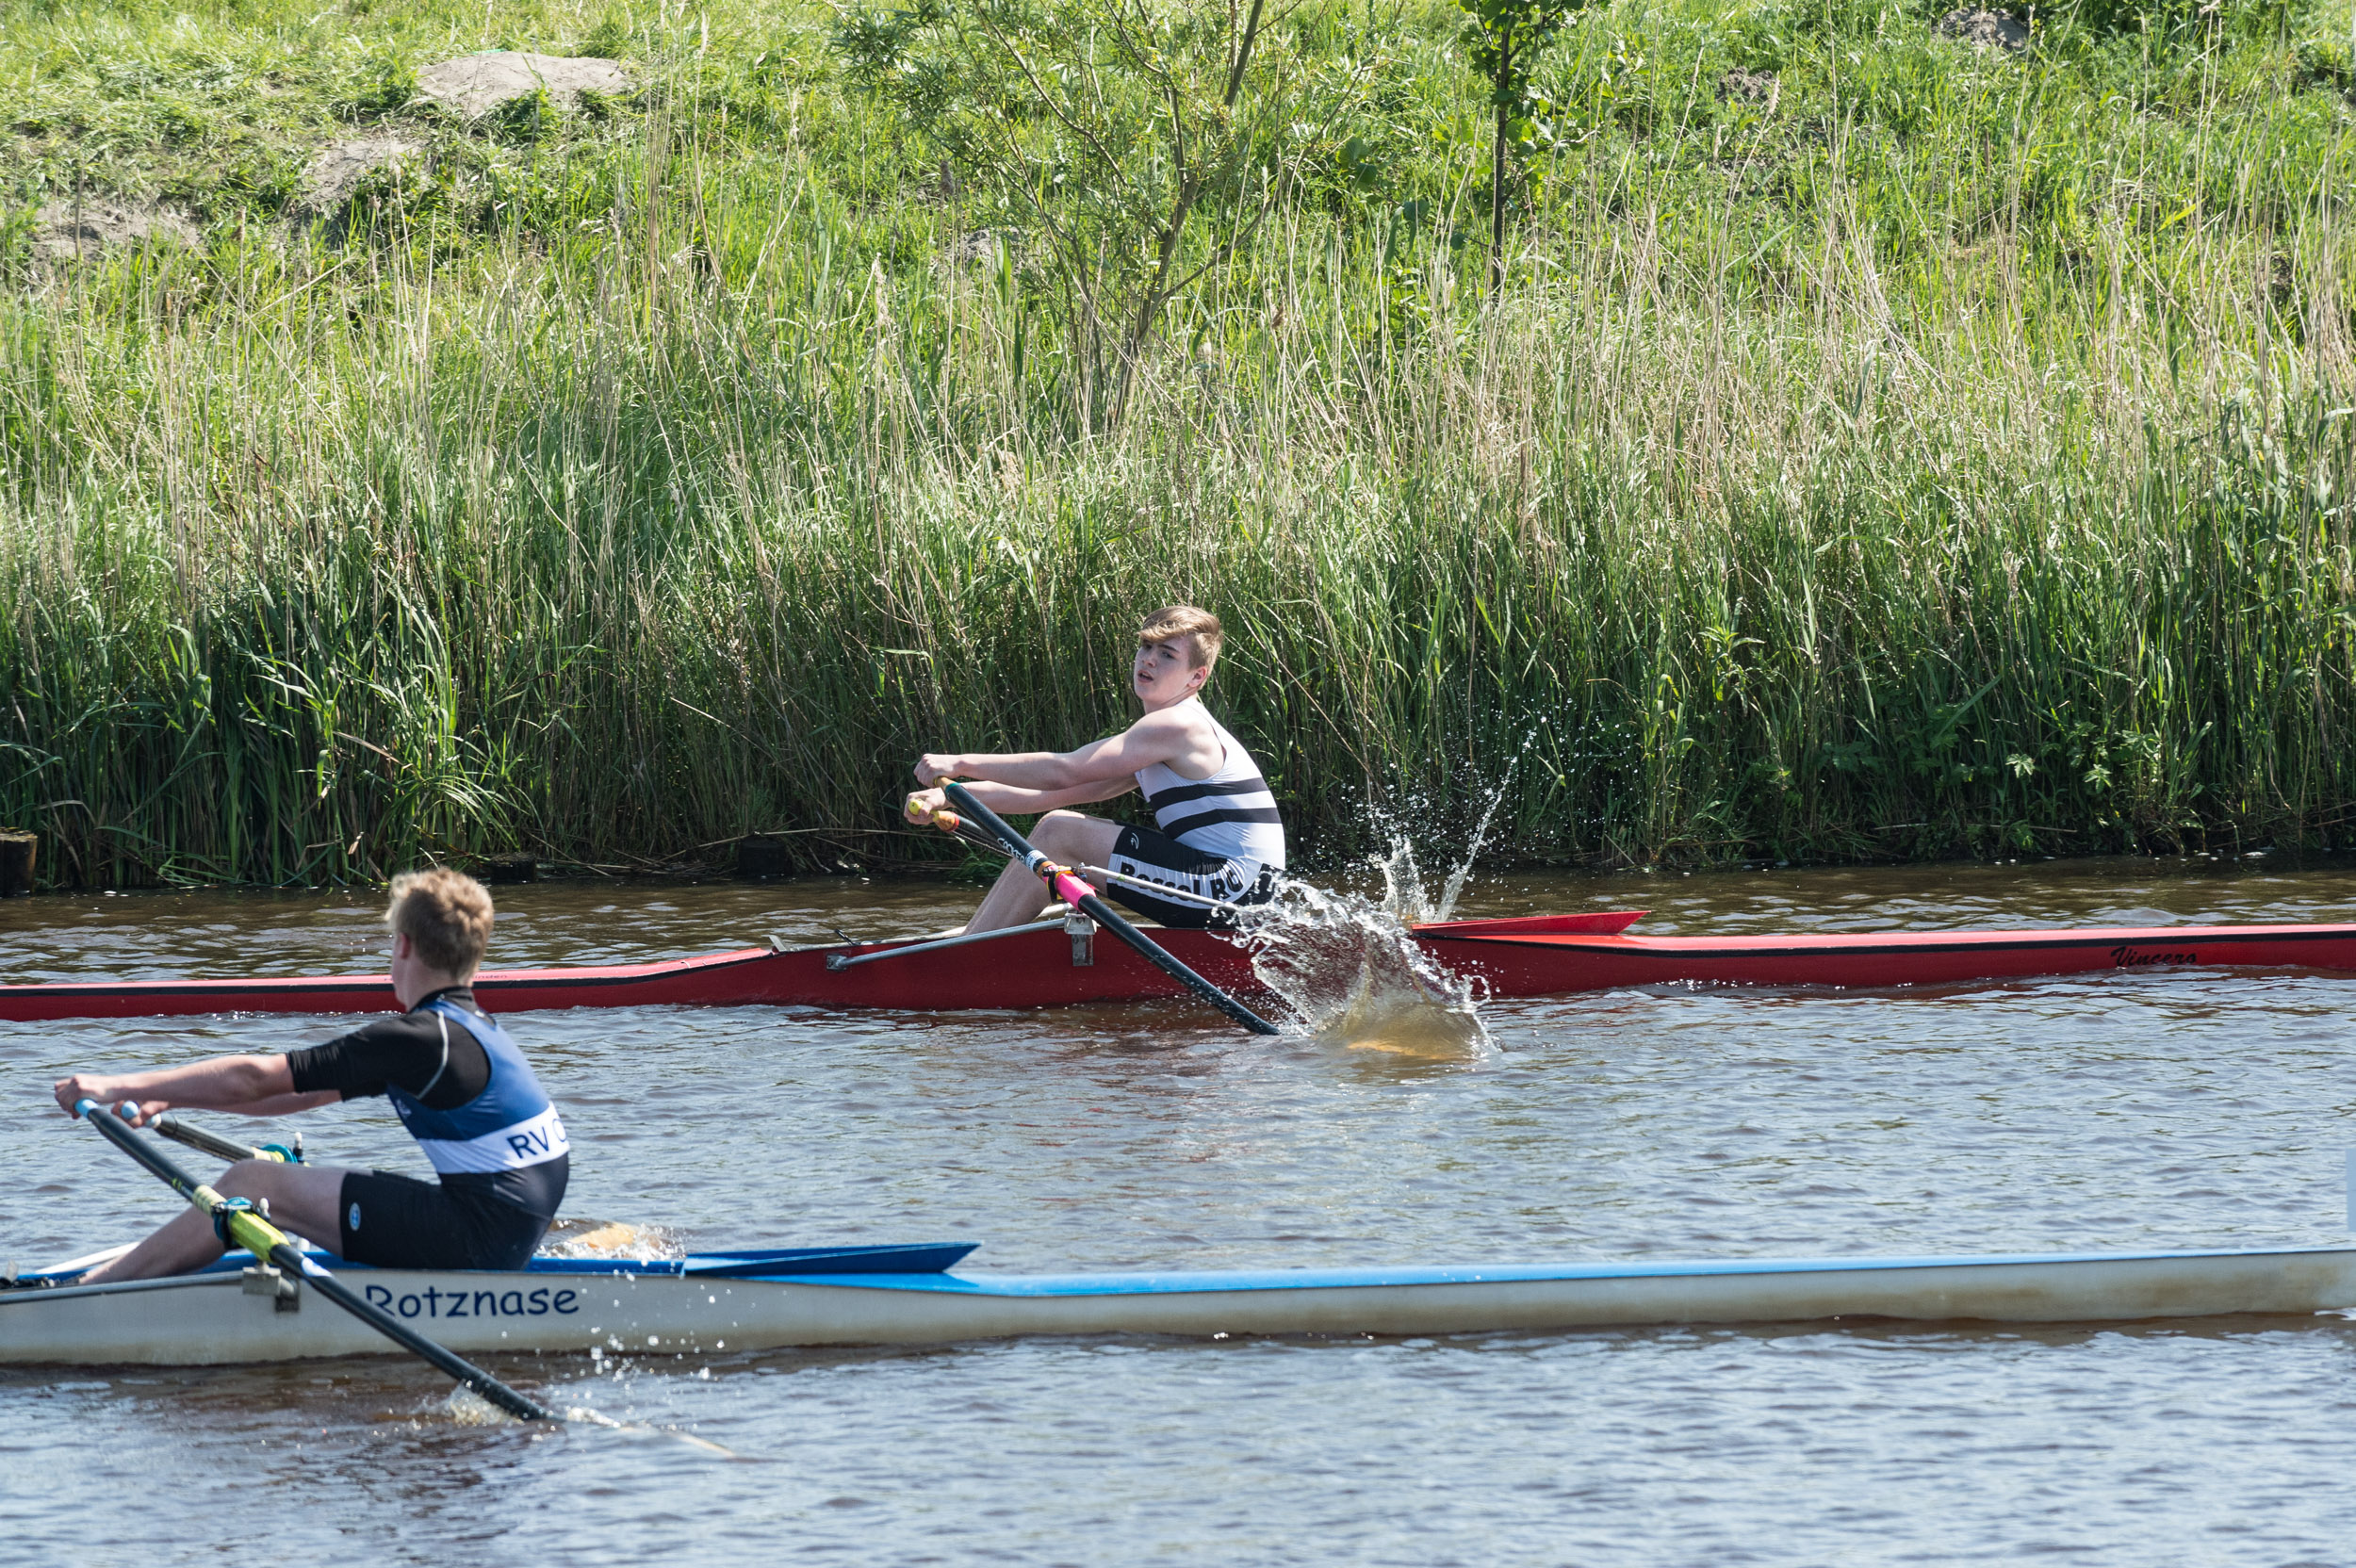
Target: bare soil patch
x=1985, y=28
x=76, y=231
x=330, y=178
x=474, y=85
x=1751, y=86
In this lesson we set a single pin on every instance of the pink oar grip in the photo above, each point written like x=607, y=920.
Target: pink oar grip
x=1071, y=889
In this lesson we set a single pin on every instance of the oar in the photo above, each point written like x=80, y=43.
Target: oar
x=257, y=1236
x=1080, y=896
x=181, y=1131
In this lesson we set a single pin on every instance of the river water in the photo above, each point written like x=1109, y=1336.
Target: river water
x=2126, y=1110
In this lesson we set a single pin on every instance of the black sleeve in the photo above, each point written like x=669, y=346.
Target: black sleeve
x=406, y=1050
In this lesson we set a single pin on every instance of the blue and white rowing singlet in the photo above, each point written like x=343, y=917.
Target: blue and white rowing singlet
x=1232, y=815
x=498, y=1139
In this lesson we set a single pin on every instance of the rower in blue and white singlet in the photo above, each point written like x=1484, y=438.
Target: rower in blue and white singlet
x=1219, y=837
x=464, y=1091
x=459, y=1083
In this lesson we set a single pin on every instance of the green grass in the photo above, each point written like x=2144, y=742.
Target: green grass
x=1955, y=460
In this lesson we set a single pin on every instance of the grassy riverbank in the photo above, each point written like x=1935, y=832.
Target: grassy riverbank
x=1938, y=452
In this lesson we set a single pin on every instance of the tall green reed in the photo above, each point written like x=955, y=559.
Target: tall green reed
x=1838, y=524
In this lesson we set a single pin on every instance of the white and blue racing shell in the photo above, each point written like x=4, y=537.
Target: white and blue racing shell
x=512, y=1125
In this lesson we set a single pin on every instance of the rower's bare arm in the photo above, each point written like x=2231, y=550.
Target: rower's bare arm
x=215, y=1084
x=1155, y=738
x=1013, y=799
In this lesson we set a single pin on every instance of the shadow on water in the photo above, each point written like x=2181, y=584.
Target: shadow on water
x=386, y=1395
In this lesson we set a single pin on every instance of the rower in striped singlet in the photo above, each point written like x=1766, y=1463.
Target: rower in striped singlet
x=1217, y=833
x=1219, y=837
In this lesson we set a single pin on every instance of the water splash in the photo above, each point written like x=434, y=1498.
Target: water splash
x=1351, y=971
x=1455, y=884
x=1402, y=883
x=1350, y=966
x=584, y=1237
x=466, y=1408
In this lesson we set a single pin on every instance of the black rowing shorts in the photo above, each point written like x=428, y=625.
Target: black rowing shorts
x=400, y=1222
x=1156, y=857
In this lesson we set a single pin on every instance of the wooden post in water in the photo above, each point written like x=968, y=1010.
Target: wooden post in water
x=18, y=851
x=761, y=857
x=501, y=869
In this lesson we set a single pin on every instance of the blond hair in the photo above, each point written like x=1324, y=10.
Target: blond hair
x=447, y=917
x=1174, y=621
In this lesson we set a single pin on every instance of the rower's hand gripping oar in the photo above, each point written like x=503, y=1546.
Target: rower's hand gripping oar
x=240, y=1226
x=1080, y=896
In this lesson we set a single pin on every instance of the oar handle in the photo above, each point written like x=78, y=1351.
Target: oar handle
x=1082, y=897
x=950, y=823
x=258, y=1237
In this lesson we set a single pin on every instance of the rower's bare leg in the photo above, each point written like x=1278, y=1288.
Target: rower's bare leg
x=1067, y=838
x=303, y=1199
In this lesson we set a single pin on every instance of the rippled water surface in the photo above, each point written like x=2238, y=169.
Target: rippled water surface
x=2170, y=1108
